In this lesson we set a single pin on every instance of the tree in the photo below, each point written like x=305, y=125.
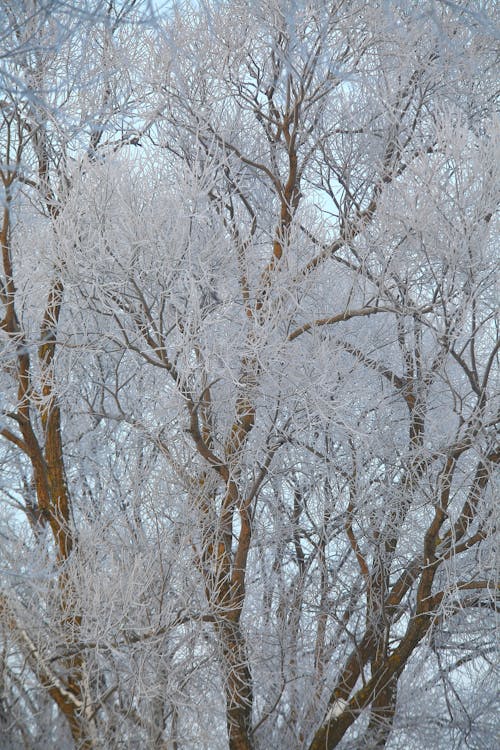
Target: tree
x=250, y=424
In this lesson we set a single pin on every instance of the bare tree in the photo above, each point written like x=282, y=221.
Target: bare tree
x=258, y=408
x=58, y=105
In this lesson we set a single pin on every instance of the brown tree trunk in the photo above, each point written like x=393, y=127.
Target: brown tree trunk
x=238, y=686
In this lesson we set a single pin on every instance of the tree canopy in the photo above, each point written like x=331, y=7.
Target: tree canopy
x=248, y=374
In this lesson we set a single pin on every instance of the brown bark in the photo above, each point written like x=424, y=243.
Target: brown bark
x=45, y=453
x=380, y=691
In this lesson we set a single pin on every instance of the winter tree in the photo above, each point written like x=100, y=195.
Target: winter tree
x=249, y=367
